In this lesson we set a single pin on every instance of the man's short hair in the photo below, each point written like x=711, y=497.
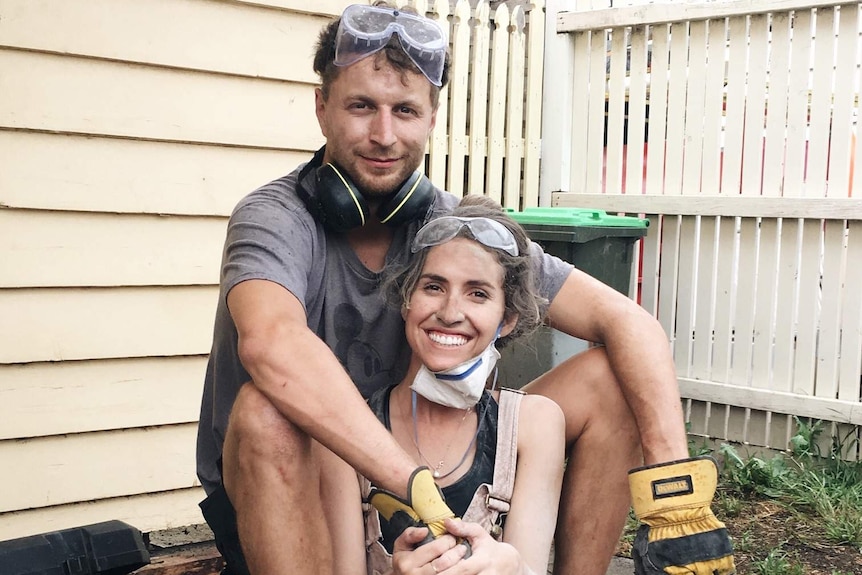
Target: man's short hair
x=324, y=57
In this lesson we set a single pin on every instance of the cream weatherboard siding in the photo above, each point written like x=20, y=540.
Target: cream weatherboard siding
x=128, y=131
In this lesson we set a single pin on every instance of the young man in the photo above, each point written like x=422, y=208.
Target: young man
x=302, y=335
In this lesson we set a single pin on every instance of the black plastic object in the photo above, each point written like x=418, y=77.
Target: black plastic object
x=107, y=548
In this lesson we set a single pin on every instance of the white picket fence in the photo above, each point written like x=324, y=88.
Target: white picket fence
x=731, y=126
x=488, y=134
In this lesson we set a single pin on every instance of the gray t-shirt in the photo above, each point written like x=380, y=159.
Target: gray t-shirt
x=272, y=236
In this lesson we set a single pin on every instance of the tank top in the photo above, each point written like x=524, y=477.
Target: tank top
x=458, y=495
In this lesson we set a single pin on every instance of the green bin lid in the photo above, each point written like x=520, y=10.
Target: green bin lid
x=578, y=225
x=575, y=217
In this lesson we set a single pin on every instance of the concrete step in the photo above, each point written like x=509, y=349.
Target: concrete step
x=621, y=566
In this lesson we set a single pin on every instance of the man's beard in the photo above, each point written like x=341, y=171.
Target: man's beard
x=380, y=187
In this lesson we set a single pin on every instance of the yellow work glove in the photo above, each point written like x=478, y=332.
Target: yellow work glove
x=679, y=534
x=424, y=506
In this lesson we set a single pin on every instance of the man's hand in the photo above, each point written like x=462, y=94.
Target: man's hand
x=680, y=535
x=424, y=504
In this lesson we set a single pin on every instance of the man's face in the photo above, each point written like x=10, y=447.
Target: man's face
x=376, y=121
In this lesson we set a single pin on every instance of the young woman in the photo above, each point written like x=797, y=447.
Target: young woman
x=469, y=290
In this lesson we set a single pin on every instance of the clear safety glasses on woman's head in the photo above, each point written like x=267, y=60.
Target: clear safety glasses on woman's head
x=364, y=30
x=487, y=232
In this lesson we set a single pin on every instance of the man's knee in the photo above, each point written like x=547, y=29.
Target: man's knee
x=588, y=392
x=258, y=434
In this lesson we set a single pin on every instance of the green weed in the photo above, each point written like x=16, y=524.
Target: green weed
x=728, y=504
x=777, y=562
x=753, y=475
x=744, y=543
x=828, y=486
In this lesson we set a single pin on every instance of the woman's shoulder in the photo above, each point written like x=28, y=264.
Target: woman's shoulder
x=536, y=410
x=540, y=412
x=532, y=402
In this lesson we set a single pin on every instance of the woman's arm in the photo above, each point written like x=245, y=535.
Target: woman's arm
x=639, y=354
x=526, y=544
x=538, y=479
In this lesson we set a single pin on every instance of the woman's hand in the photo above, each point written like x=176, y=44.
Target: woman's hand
x=434, y=557
x=489, y=556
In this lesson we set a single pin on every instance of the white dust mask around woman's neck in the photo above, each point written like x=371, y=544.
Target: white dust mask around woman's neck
x=460, y=386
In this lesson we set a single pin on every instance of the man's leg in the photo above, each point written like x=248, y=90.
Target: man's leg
x=272, y=478
x=603, y=444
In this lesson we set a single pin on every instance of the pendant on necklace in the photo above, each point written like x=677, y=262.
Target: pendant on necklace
x=436, y=472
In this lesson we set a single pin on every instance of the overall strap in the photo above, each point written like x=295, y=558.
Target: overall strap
x=506, y=460
x=372, y=520
x=490, y=501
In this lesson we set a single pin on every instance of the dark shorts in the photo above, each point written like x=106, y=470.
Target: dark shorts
x=221, y=517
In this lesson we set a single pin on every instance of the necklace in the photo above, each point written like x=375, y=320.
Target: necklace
x=435, y=471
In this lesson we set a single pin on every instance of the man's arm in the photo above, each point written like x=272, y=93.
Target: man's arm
x=302, y=378
x=672, y=493
x=639, y=354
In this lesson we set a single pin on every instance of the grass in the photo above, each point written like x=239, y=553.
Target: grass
x=795, y=513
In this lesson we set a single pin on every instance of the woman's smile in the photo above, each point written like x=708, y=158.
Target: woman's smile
x=446, y=339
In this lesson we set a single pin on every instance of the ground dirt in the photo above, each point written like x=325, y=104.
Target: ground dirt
x=761, y=526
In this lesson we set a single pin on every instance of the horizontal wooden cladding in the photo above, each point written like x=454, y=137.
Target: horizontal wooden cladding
x=51, y=324
x=149, y=512
x=730, y=206
x=772, y=401
x=40, y=399
x=60, y=249
x=83, y=467
x=202, y=35
x=662, y=13
x=327, y=7
x=69, y=172
x=49, y=92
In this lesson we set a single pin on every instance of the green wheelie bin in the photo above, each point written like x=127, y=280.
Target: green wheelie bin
x=595, y=242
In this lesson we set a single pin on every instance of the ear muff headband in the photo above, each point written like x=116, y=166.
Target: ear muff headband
x=349, y=187
x=404, y=200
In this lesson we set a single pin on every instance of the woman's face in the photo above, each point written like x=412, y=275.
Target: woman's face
x=457, y=306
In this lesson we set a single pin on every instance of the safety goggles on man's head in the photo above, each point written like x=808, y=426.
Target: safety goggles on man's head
x=487, y=232
x=364, y=30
